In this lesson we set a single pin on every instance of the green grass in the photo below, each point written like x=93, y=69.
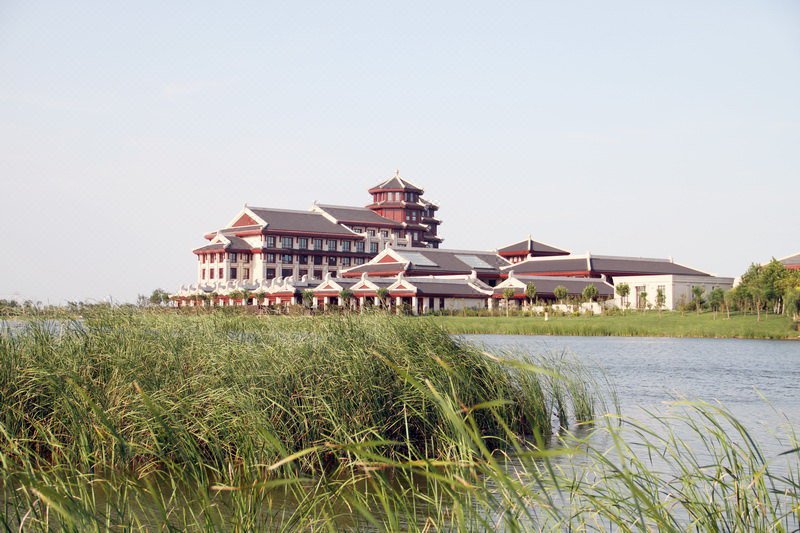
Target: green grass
x=223, y=421
x=633, y=324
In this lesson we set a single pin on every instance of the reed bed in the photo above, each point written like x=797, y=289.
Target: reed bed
x=151, y=421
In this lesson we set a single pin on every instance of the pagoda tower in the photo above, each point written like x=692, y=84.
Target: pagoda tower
x=399, y=200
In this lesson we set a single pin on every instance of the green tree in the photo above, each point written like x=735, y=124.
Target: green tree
x=589, y=292
x=560, y=293
x=530, y=292
x=623, y=290
x=308, y=298
x=661, y=300
x=728, y=298
x=643, y=301
x=508, y=294
x=346, y=297
x=159, y=297
x=383, y=294
x=716, y=298
x=697, y=297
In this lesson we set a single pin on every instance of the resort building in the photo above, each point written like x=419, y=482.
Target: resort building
x=387, y=254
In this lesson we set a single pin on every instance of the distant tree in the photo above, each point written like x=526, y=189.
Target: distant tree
x=715, y=299
x=142, y=300
x=346, y=297
x=560, y=293
x=308, y=298
x=623, y=289
x=697, y=297
x=661, y=300
x=530, y=292
x=643, y=300
x=728, y=298
x=589, y=292
x=508, y=294
x=383, y=295
x=159, y=297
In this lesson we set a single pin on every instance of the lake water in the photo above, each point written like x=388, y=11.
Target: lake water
x=650, y=372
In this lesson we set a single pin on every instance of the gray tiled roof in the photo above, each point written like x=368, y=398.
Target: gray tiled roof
x=450, y=260
x=237, y=244
x=565, y=264
x=792, y=260
x=397, y=182
x=374, y=267
x=357, y=215
x=299, y=221
x=445, y=287
x=531, y=246
x=210, y=247
x=639, y=266
x=545, y=285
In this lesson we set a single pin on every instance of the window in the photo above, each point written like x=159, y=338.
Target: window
x=414, y=215
x=345, y=261
x=303, y=260
x=270, y=241
x=232, y=257
x=286, y=272
x=346, y=246
x=371, y=232
x=245, y=258
x=416, y=236
x=211, y=273
x=332, y=273
x=373, y=247
x=318, y=244
x=287, y=242
x=270, y=273
x=332, y=245
x=384, y=234
x=358, y=260
x=221, y=270
x=270, y=258
x=360, y=247
x=331, y=260
x=303, y=273
x=286, y=258
x=302, y=243
x=317, y=259
x=233, y=273
x=203, y=274
x=318, y=274
x=246, y=273
x=408, y=217
x=358, y=230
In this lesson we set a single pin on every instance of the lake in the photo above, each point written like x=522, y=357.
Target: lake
x=647, y=372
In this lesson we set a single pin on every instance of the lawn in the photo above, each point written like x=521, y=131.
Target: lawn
x=651, y=324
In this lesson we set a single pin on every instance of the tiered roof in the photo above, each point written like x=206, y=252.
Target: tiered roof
x=531, y=247
x=396, y=183
x=597, y=265
x=430, y=261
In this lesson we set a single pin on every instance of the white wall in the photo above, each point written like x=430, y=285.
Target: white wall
x=677, y=289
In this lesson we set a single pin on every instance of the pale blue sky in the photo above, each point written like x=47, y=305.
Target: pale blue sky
x=127, y=130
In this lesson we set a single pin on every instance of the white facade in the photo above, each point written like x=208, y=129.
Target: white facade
x=677, y=289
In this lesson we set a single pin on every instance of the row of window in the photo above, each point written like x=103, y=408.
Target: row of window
x=331, y=245
x=286, y=272
x=233, y=257
x=304, y=259
x=220, y=273
x=396, y=196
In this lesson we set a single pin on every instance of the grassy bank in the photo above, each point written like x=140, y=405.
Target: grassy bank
x=632, y=324
x=222, y=421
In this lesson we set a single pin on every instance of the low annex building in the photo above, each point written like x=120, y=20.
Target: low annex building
x=387, y=254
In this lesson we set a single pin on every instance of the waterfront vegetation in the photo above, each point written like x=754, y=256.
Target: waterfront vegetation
x=155, y=420
x=630, y=324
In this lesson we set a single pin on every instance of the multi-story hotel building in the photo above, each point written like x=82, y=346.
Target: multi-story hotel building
x=262, y=243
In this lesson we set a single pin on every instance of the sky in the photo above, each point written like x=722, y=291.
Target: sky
x=129, y=130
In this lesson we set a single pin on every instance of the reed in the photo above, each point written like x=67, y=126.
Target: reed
x=149, y=421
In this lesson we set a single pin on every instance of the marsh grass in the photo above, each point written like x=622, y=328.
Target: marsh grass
x=221, y=421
